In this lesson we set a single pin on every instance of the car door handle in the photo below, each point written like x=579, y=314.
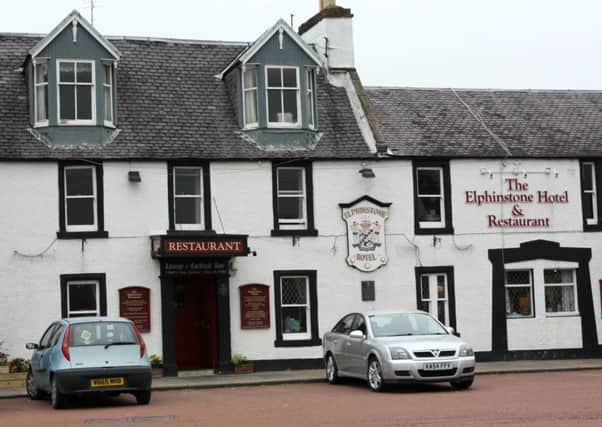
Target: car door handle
x=348, y=344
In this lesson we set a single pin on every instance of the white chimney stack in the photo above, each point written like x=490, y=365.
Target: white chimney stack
x=331, y=32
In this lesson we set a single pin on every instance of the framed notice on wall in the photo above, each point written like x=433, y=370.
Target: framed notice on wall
x=134, y=304
x=254, y=306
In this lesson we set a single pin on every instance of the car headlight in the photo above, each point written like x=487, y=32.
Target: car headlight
x=398, y=353
x=466, y=351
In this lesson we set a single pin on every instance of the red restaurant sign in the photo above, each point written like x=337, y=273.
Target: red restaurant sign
x=134, y=304
x=203, y=246
x=254, y=306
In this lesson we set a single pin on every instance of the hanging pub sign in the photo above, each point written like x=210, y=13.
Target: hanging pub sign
x=134, y=304
x=366, y=218
x=254, y=306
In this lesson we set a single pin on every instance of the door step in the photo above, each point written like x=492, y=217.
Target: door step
x=195, y=373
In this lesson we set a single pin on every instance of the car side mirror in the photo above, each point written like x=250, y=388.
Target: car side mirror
x=31, y=346
x=357, y=334
x=452, y=331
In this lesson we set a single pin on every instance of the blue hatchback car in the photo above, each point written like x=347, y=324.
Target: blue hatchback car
x=89, y=354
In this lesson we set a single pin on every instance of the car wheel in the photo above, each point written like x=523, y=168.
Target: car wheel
x=33, y=391
x=375, y=375
x=462, y=384
x=332, y=372
x=143, y=397
x=56, y=398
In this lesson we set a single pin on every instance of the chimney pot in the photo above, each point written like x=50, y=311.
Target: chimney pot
x=327, y=4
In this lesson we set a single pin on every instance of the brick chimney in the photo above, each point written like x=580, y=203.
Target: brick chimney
x=331, y=32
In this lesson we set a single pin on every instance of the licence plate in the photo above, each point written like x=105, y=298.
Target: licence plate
x=106, y=382
x=437, y=366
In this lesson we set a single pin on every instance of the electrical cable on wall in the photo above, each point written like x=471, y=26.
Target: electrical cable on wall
x=38, y=255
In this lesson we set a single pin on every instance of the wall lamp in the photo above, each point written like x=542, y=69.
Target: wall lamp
x=134, y=176
x=485, y=171
x=366, y=171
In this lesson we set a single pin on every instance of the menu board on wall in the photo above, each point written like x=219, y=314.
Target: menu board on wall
x=254, y=306
x=134, y=304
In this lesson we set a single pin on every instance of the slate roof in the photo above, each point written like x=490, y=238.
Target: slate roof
x=170, y=106
x=438, y=122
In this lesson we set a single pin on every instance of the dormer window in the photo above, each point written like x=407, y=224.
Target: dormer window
x=249, y=82
x=76, y=100
x=41, y=93
x=283, y=103
x=108, y=94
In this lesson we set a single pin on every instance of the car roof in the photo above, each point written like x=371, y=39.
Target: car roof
x=377, y=312
x=88, y=319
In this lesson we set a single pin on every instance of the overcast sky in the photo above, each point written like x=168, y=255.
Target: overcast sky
x=514, y=44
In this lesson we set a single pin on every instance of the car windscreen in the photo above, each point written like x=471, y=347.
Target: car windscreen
x=102, y=333
x=398, y=324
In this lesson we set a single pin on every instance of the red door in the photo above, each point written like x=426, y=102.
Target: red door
x=195, y=322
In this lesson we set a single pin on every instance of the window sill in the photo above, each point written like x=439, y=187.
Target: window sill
x=571, y=314
x=40, y=124
x=298, y=343
x=511, y=317
x=190, y=232
x=431, y=231
x=301, y=233
x=82, y=234
x=592, y=227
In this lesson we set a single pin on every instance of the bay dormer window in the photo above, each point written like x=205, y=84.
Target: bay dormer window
x=76, y=96
x=108, y=93
x=249, y=83
x=283, y=101
x=40, y=71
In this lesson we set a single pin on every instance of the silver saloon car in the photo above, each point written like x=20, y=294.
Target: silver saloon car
x=397, y=347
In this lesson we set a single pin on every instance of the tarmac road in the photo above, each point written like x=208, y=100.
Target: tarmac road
x=531, y=399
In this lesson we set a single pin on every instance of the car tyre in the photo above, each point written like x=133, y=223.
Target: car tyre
x=375, y=375
x=143, y=397
x=462, y=384
x=56, y=398
x=33, y=391
x=332, y=372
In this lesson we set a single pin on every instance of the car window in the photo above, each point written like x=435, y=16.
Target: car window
x=56, y=333
x=102, y=333
x=398, y=324
x=360, y=324
x=344, y=325
x=45, y=340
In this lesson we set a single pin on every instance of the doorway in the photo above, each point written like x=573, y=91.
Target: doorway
x=195, y=312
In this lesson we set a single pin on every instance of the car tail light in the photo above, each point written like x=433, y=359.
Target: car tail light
x=65, y=344
x=140, y=340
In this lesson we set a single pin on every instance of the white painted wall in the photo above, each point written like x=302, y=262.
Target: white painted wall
x=339, y=32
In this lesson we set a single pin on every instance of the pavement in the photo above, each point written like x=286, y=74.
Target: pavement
x=317, y=375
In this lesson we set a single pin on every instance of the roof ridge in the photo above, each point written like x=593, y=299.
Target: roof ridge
x=450, y=89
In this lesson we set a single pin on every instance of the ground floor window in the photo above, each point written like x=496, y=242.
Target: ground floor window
x=83, y=295
x=296, y=308
x=560, y=291
x=434, y=296
x=519, y=293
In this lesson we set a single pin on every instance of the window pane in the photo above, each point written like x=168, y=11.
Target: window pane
x=290, y=208
x=588, y=173
x=558, y=276
x=82, y=297
x=429, y=181
x=294, y=320
x=84, y=72
x=67, y=72
x=108, y=77
x=560, y=299
x=294, y=290
x=588, y=202
x=290, y=106
x=274, y=105
x=188, y=210
x=290, y=180
x=441, y=311
x=108, y=105
x=80, y=211
x=440, y=287
x=290, y=77
x=188, y=181
x=67, y=94
x=250, y=78
x=42, y=103
x=84, y=102
x=518, y=301
x=518, y=277
x=424, y=287
x=42, y=73
x=80, y=182
x=251, y=106
x=274, y=79
x=429, y=209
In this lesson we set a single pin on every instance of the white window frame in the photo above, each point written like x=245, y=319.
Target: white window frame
x=434, y=300
x=84, y=312
x=295, y=336
x=94, y=196
x=521, y=285
x=296, y=124
x=108, y=86
x=593, y=191
x=311, y=97
x=441, y=196
x=298, y=223
x=36, y=85
x=248, y=67
x=184, y=227
x=76, y=122
x=572, y=284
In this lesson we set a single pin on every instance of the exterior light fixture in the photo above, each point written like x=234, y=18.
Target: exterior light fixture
x=134, y=176
x=366, y=171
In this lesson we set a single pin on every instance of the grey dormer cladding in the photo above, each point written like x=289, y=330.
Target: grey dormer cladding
x=171, y=106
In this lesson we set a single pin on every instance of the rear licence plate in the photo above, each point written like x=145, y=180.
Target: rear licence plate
x=106, y=382
x=437, y=366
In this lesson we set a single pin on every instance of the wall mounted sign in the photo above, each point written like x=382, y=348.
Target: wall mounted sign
x=366, y=218
x=134, y=304
x=254, y=306
x=187, y=266
x=517, y=193
x=216, y=245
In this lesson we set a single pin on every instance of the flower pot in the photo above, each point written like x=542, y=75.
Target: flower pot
x=243, y=368
x=157, y=372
